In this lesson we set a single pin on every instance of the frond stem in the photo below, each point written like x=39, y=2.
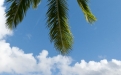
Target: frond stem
x=59, y=23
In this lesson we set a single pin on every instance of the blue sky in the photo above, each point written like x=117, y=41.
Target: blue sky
x=96, y=47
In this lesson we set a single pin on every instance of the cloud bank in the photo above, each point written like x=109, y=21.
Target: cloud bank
x=14, y=61
x=3, y=30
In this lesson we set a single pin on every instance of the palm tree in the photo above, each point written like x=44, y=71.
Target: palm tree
x=57, y=19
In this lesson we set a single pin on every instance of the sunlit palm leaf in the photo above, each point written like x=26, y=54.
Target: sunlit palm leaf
x=58, y=24
x=57, y=19
x=85, y=8
x=17, y=11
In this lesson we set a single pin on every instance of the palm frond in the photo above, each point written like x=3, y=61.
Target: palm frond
x=86, y=10
x=57, y=21
x=35, y=3
x=17, y=11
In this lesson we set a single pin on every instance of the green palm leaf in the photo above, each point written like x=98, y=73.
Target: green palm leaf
x=17, y=11
x=35, y=3
x=58, y=24
x=57, y=19
x=85, y=8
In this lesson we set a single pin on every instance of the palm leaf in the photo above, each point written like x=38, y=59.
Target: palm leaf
x=35, y=3
x=86, y=10
x=17, y=11
x=58, y=24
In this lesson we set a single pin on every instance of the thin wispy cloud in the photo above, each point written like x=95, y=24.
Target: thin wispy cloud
x=29, y=36
x=14, y=61
x=102, y=56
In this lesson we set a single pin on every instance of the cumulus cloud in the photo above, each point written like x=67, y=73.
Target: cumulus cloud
x=3, y=30
x=14, y=61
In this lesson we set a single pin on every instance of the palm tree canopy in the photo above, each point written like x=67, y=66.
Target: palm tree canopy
x=57, y=19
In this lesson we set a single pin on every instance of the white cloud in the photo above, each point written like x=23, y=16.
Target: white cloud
x=3, y=30
x=102, y=56
x=15, y=62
